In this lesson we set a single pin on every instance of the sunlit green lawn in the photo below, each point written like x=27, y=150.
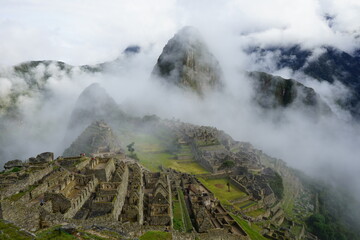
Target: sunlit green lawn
x=220, y=189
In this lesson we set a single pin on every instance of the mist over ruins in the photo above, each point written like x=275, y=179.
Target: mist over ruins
x=180, y=120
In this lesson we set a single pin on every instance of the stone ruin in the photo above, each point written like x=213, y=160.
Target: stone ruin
x=212, y=147
x=97, y=138
x=109, y=190
x=24, y=174
x=205, y=211
x=158, y=199
x=256, y=187
x=133, y=207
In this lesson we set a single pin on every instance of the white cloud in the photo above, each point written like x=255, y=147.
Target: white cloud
x=5, y=87
x=95, y=31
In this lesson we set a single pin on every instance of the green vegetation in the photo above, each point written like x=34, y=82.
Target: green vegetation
x=15, y=169
x=151, y=235
x=153, y=152
x=336, y=210
x=246, y=204
x=130, y=147
x=325, y=228
x=20, y=194
x=228, y=164
x=88, y=236
x=11, y=232
x=188, y=167
x=288, y=200
x=252, y=231
x=58, y=234
x=256, y=213
x=54, y=234
x=276, y=184
x=178, y=216
x=219, y=188
x=185, y=213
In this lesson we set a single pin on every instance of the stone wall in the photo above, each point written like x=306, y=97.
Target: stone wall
x=239, y=185
x=59, y=202
x=79, y=201
x=253, y=208
x=269, y=199
x=121, y=194
x=103, y=174
x=102, y=207
x=200, y=159
x=133, y=210
x=26, y=215
x=49, y=183
x=82, y=164
x=220, y=234
x=21, y=185
x=170, y=198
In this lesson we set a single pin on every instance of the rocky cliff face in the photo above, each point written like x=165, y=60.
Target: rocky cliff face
x=273, y=92
x=187, y=62
x=330, y=65
x=98, y=137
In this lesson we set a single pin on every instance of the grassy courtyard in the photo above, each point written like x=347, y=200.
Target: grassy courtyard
x=220, y=189
x=153, y=152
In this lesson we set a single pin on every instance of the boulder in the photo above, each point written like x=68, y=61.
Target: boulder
x=13, y=163
x=44, y=157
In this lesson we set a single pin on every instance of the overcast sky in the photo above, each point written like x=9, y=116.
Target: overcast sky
x=83, y=32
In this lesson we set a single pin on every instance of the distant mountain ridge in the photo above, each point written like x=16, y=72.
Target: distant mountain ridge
x=330, y=65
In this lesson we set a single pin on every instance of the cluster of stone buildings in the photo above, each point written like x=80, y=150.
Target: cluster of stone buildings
x=255, y=186
x=212, y=147
x=157, y=199
x=205, y=210
x=22, y=175
x=109, y=187
x=112, y=189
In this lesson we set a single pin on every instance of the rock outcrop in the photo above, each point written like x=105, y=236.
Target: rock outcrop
x=13, y=163
x=96, y=138
x=274, y=91
x=187, y=62
x=45, y=157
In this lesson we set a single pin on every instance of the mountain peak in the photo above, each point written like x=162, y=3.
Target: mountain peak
x=189, y=35
x=94, y=103
x=187, y=63
x=98, y=137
